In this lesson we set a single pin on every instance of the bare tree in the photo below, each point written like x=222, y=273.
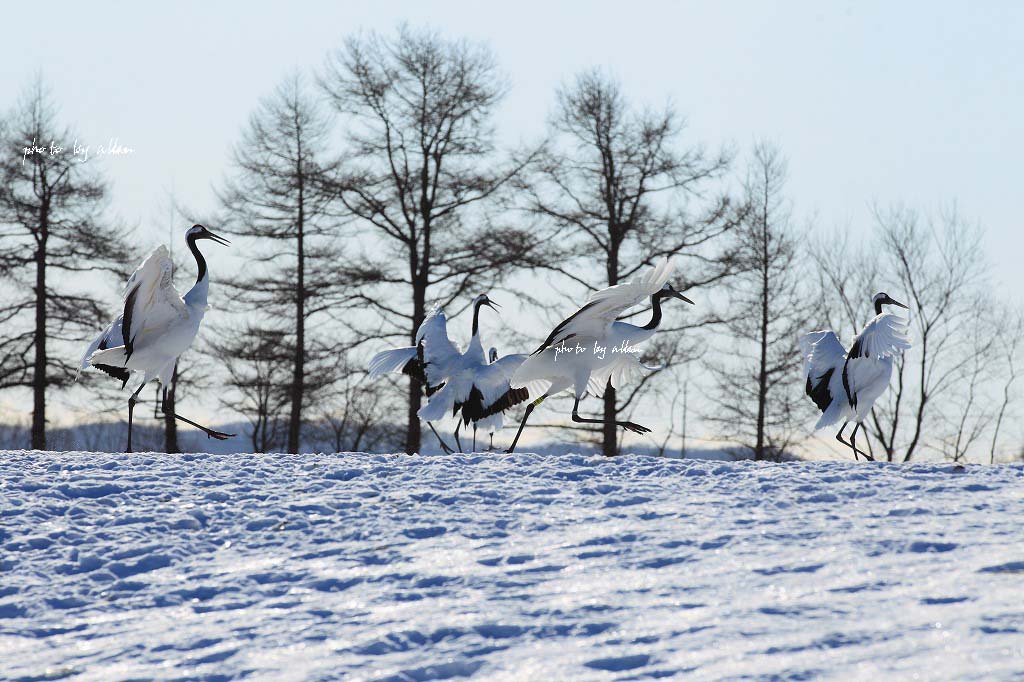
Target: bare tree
x=615, y=188
x=256, y=362
x=1008, y=341
x=277, y=195
x=757, y=401
x=353, y=415
x=942, y=267
x=963, y=422
x=421, y=165
x=937, y=264
x=51, y=229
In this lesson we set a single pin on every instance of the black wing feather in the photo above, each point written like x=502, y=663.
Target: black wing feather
x=120, y=373
x=126, y=323
x=561, y=325
x=511, y=397
x=417, y=370
x=819, y=392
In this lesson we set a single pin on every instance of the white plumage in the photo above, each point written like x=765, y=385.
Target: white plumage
x=393, y=360
x=845, y=384
x=495, y=422
x=162, y=325
x=591, y=347
x=571, y=357
x=457, y=382
x=156, y=324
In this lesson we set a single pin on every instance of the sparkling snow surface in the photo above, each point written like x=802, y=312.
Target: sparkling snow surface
x=501, y=567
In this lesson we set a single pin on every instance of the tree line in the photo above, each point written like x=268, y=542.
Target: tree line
x=374, y=186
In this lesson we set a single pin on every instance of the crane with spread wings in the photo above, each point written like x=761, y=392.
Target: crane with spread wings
x=156, y=325
x=845, y=384
x=592, y=347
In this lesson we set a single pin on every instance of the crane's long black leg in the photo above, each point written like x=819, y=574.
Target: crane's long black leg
x=132, y=399
x=210, y=433
x=474, y=436
x=444, y=446
x=839, y=437
x=853, y=443
x=629, y=426
x=458, y=425
x=490, y=448
x=529, y=409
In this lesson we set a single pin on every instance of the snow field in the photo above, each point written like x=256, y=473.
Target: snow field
x=506, y=567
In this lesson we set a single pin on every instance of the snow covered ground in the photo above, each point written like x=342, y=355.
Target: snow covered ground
x=506, y=567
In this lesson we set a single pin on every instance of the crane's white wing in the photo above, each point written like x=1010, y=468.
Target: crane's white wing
x=151, y=303
x=824, y=358
x=605, y=306
x=478, y=394
x=394, y=360
x=622, y=371
x=822, y=351
x=493, y=382
x=440, y=355
x=886, y=336
x=110, y=337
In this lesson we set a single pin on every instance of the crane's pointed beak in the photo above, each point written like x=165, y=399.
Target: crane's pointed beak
x=217, y=238
x=895, y=302
x=682, y=298
x=492, y=305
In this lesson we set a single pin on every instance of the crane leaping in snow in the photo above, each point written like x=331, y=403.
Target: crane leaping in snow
x=845, y=384
x=156, y=325
x=591, y=347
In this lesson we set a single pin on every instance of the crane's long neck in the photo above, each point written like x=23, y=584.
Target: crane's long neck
x=476, y=319
x=878, y=307
x=197, y=295
x=655, y=312
x=475, y=350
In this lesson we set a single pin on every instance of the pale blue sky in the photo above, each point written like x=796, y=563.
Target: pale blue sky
x=919, y=102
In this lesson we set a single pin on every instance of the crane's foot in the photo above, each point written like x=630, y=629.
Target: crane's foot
x=634, y=427
x=856, y=451
x=219, y=435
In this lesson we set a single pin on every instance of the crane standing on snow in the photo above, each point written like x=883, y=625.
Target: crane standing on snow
x=156, y=326
x=455, y=381
x=591, y=347
x=478, y=393
x=845, y=385
x=493, y=419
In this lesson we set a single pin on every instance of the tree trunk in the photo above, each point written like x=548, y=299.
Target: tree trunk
x=609, y=431
x=299, y=371
x=919, y=418
x=170, y=423
x=413, y=436
x=762, y=374
x=39, y=367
